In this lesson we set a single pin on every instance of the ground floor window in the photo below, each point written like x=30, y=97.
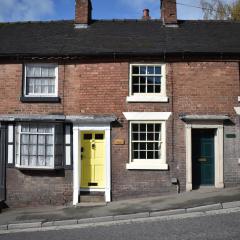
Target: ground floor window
x=147, y=145
x=146, y=141
x=39, y=145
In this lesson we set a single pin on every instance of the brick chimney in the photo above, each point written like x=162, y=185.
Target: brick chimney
x=169, y=11
x=146, y=15
x=83, y=13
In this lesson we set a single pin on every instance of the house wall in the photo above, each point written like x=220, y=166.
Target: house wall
x=102, y=88
x=207, y=88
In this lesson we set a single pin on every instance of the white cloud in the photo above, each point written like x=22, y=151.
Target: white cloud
x=25, y=10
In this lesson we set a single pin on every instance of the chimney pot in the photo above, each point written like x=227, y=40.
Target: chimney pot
x=146, y=15
x=169, y=11
x=83, y=12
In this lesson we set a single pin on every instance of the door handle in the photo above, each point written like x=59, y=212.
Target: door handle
x=93, y=146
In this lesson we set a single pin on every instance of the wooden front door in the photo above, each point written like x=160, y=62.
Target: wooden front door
x=93, y=159
x=203, y=157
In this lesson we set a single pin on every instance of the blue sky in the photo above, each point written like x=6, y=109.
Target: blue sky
x=29, y=10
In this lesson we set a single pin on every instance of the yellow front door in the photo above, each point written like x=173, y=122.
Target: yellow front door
x=92, y=159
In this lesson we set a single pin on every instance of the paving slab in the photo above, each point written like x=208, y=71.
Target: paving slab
x=131, y=216
x=167, y=213
x=24, y=225
x=205, y=208
x=231, y=204
x=95, y=220
x=65, y=222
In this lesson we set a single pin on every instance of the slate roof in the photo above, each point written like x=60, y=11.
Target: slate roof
x=123, y=37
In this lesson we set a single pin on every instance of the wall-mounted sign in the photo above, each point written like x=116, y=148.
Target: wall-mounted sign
x=232, y=135
x=118, y=142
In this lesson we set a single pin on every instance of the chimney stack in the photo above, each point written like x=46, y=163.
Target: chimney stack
x=83, y=13
x=146, y=15
x=169, y=12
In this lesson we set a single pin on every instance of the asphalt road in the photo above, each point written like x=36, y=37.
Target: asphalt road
x=216, y=227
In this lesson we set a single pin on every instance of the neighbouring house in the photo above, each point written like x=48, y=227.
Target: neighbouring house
x=117, y=109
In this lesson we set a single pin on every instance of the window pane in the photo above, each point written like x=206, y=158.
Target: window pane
x=24, y=160
x=33, y=139
x=142, y=70
x=142, y=136
x=150, y=127
x=150, y=89
x=33, y=150
x=157, y=89
x=25, y=128
x=136, y=155
x=41, y=150
x=49, y=139
x=143, y=146
x=142, y=127
x=150, y=70
x=157, y=127
x=150, y=136
x=24, y=150
x=143, y=80
x=142, y=89
x=150, y=155
x=158, y=70
x=157, y=80
x=25, y=139
x=142, y=155
x=136, y=88
x=135, y=136
x=150, y=146
x=134, y=127
x=49, y=161
x=51, y=72
x=49, y=150
x=41, y=161
x=150, y=80
x=33, y=161
x=135, y=80
x=135, y=70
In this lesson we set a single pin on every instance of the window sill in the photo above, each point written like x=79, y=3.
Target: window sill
x=137, y=166
x=40, y=99
x=147, y=99
x=37, y=168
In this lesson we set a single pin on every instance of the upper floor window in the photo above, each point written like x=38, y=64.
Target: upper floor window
x=41, y=80
x=147, y=83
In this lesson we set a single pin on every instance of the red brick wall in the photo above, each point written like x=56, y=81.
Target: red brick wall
x=102, y=88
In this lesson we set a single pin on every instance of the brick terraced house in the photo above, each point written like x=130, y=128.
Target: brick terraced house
x=117, y=109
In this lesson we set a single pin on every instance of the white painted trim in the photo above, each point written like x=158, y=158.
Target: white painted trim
x=68, y=134
x=10, y=154
x=55, y=94
x=68, y=155
x=10, y=133
x=237, y=110
x=148, y=97
x=76, y=165
x=218, y=149
x=239, y=98
x=92, y=189
x=77, y=129
x=147, y=116
x=153, y=98
x=150, y=164
x=156, y=166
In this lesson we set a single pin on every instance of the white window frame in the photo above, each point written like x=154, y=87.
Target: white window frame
x=18, y=149
x=148, y=97
x=148, y=117
x=39, y=94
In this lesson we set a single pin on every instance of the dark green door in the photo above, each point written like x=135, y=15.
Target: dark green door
x=203, y=157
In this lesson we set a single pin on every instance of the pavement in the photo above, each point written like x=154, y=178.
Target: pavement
x=202, y=200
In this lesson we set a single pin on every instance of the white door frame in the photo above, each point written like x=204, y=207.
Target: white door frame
x=218, y=149
x=77, y=129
